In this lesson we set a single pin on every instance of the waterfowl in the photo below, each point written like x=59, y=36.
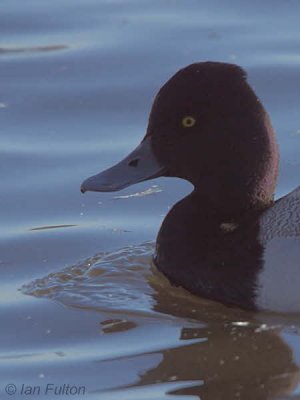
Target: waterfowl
x=228, y=240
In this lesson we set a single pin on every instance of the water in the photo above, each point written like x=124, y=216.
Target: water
x=80, y=302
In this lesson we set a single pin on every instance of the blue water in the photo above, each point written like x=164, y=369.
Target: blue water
x=80, y=302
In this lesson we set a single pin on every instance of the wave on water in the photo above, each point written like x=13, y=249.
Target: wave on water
x=116, y=281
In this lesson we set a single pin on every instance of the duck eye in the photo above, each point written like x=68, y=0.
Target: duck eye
x=188, y=122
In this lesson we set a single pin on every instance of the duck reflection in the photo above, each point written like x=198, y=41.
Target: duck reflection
x=240, y=358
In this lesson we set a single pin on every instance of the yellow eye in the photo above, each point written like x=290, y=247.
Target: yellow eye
x=188, y=122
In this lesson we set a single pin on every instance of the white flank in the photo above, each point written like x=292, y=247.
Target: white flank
x=278, y=284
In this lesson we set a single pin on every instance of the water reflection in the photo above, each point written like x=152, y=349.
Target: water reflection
x=230, y=366
x=231, y=363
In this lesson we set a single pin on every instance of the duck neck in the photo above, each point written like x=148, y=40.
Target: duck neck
x=230, y=208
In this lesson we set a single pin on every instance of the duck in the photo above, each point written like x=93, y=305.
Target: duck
x=228, y=240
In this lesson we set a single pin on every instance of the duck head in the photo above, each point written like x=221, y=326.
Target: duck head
x=206, y=126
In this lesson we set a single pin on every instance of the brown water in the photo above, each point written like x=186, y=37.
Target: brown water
x=84, y=314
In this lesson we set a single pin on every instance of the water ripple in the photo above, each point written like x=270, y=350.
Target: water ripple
x=34, y=49
x=114, y=281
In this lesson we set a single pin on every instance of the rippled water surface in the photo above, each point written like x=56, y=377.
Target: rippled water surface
x=82, y=307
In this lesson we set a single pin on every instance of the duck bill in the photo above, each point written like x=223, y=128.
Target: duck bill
x=140, y=165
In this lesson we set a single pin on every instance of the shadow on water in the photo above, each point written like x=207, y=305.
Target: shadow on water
x=221, y=353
